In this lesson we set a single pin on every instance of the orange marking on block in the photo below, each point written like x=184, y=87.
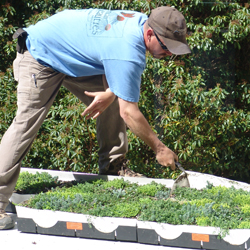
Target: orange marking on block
x=74, y=225
x=200, y=237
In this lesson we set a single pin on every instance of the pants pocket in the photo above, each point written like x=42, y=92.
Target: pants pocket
x=16, y=66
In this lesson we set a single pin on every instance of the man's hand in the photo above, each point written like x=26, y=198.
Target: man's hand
x=101, y=101
x=166, y=157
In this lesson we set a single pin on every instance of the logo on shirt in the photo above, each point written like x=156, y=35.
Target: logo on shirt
x=102, y=21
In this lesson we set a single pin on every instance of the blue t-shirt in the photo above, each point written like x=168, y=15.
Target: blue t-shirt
x=93, y=42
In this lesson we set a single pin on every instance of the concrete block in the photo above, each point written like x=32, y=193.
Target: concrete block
x=11, y=208
x=60, y=228
x=26, y=225
x=215, y=243
x=147, y=236
x=126, y=233
x=184, y=240
x=90, y=231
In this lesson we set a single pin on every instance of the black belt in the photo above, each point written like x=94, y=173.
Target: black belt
x=21, y=42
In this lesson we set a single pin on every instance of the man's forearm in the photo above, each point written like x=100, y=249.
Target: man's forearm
x=138, y=124
x=140, y=127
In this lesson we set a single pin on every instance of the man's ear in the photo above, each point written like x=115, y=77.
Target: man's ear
x=149, y=34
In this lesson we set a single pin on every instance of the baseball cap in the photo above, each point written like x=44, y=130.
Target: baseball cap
x=170, y=26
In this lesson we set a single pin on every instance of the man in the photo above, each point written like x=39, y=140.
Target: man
x=99, y=55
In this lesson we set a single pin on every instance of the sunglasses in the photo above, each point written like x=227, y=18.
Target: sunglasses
x=164, y=47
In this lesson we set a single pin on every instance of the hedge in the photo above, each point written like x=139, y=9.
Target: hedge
x=198, y=104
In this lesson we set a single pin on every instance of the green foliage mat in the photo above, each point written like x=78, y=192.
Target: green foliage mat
x=226, y=208
x=29, y=183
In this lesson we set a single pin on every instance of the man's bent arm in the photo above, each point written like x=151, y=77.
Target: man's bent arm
x=138, y=124
x=101, y=100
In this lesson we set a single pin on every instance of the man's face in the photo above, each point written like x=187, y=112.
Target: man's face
x=155, y=48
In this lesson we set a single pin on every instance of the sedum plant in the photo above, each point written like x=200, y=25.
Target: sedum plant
x=29, y=183
x=225, y=208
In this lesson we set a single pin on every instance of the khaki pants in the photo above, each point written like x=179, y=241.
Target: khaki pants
x=36, y=91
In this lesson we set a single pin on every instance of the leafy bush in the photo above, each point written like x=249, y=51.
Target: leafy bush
x=198, y=104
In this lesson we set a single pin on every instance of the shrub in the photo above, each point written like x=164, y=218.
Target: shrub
x=198, y=104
